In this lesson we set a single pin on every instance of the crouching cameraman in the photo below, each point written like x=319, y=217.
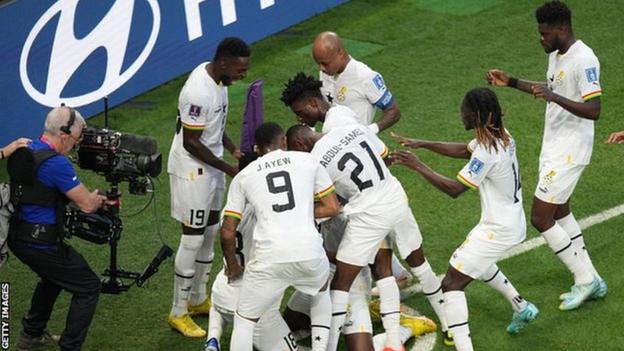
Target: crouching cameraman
x=43, y=181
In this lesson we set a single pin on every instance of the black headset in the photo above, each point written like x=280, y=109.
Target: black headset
x=72, y=118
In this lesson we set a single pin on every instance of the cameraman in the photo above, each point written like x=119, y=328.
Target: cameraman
x=36, y=233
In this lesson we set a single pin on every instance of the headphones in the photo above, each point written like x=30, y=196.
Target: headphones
x=72, y=118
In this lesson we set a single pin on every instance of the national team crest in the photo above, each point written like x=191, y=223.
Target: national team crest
x=342, y=93
x=194, y=110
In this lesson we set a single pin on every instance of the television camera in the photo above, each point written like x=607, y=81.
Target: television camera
x=118, y=157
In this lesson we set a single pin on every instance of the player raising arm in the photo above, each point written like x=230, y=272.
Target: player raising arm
x=572, y=94
x=493, y=169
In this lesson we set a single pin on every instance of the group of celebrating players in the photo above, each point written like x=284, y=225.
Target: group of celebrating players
x=321, y=211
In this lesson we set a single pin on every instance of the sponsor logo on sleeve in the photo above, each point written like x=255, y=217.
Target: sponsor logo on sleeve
x=379, y=82
x=591, y=74
x=194, y=110
x=475, y=167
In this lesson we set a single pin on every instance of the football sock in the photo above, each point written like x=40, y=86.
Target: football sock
x=560, y=243
x=203, y=264
x=499, y=282
x=242, y=334
x=320, y=320
x=184, y=271
x=379, y=340
x=215, y=324
x=339, y=300
x=389, y=308
x=571, y=226
x=456, y=309
x=432, y=288
x=398, y=270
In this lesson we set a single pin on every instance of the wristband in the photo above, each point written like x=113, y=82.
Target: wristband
x=513, y=82
x=374, y=128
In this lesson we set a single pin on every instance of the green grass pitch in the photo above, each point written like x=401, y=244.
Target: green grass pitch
x=430, y=53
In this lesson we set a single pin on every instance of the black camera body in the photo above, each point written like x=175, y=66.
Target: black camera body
x=120, y=157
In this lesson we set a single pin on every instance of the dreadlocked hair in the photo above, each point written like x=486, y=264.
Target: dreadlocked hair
x=488, y=120
x=300, y=87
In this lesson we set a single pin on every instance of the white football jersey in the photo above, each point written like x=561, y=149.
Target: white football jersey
x=574, y=75
x=353, y=157
x=359, y=88
x=497, y=176
x=202, y=106
x=281, y=186
x=338, y=116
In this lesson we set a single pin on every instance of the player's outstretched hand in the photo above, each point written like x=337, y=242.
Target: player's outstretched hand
x=497, y=78
x=233, y=272
x=406, y=158
x=542, y=91
x=407, y=142
x=615, y=138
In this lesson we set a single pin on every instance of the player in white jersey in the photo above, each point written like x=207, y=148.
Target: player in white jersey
x=493, y=169
x=572, y=92
x=281, y=186
x=302, y=94
x=351, y=83
x=272, y=332
x=197, y=177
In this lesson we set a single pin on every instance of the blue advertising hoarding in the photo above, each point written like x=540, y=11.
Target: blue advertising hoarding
x=78, y=51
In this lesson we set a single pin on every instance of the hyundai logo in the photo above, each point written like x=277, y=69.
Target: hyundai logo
x=68, y=52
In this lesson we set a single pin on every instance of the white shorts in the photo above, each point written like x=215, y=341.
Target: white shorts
x=557, y=182
x=357, y=319
x=224, y=294
x=480, y=250
x=270, y=334
x=264, y=283
x=192, y=200
x=366, y=230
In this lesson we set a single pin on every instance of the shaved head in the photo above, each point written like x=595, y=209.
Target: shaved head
x=301, y=138
x=329, y=53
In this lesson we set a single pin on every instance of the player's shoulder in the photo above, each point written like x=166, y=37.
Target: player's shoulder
x=363, y=70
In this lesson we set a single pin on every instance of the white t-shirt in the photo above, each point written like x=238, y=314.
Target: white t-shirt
x=338, y=116
x=497, y=176
x=574, y=75
x=353, y=157
x=202, y=106
x=281, y=186
x=359, y=88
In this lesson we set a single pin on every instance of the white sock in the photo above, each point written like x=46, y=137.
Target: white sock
x=339, y=300
x=320, y=320
x=456, y=309
x=203, y=265
x=242, y=334
x=499, y=282
x=432, y=288
x=379, y=340
x=398, y=270
x=389, y=307
x=571, y=226
x=560, y=243
x=184, y=271
x=215, y=324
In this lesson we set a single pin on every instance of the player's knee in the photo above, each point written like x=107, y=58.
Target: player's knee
x=540, y=221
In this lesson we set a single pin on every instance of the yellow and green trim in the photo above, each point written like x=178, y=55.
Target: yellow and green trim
x=385, y=153
x=321, y=194
x=232, y=214
x=192, y=126
x=592, y=95
x=466, y=182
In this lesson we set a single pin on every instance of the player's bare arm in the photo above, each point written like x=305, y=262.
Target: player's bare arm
x=327, y=206
x=231, y=147
x=589, y=109
x=500, y=78
x=449, y=186
x=390, y=117
x=615, y=138
x=455, y=150
x=193, y=145
x=233, y=269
